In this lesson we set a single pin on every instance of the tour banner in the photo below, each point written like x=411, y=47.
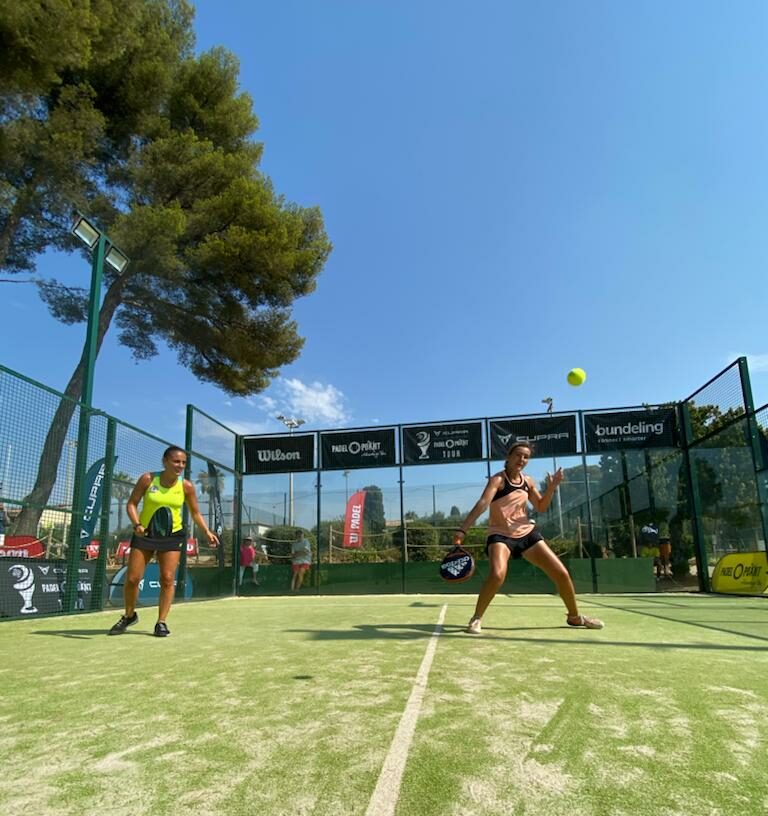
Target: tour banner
x=94, y=483
x=353, y=520
x=34, y=587
x=630, y=429
x=550, y=436
x=457, y=442
x=279, y=454
x=358, y=449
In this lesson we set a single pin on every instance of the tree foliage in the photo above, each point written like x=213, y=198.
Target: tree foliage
x=105, y=108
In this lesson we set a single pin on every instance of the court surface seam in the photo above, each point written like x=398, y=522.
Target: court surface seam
x=387, y=789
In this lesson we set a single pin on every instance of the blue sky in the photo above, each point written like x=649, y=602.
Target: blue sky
x=512, y=189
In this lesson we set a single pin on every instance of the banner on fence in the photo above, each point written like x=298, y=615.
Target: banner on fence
x=30, y=587
x=358, y=449
x=353, y=520
x=279, y=454
x=630, y=429
x=550, y=436
x=455, y=442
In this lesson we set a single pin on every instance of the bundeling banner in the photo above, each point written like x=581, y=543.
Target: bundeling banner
x=550, y=436
x=630, y=429
x=353, y=521
x=279, y=454
x=454, y=442
x=358, y=449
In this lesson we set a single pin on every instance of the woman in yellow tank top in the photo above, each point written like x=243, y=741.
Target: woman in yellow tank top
x=511, y=534
x=167, y=489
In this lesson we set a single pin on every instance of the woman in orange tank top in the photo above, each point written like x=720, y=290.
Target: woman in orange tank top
x=511, y=534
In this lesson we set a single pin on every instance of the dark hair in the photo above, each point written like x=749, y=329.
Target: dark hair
x=519, y=444
x=172, y=450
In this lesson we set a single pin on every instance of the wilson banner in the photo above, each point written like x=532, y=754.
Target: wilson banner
x=279, y=454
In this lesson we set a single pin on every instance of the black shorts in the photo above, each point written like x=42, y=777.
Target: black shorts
x=171, y=543
x=517, y=546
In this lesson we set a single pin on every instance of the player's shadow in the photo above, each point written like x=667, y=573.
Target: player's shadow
x=84, y=634
x=579, y=638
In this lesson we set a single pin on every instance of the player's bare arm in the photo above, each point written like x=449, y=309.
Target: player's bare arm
x=541, y=503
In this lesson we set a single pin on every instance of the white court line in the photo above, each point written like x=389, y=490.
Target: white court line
x=387, y=790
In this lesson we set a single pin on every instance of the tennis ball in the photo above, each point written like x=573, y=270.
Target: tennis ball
x=576, y=376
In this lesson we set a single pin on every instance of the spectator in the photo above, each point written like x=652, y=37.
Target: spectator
x=301, y=560
x=248, y=559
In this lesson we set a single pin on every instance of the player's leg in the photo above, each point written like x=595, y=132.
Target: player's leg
x=498, y=559
x=168, y=563
x=300, y=575
x=137, y=563
x=541, y=556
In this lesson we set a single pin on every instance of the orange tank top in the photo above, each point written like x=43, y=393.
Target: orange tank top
x=509, y=509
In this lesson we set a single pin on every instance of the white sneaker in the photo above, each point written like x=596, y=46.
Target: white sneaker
x=474, y=627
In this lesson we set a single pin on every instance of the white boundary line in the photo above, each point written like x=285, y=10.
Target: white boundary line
x=387, y=790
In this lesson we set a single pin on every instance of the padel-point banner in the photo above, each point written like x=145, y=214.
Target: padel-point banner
x=428, y=444
x=279, y=454
x=358, y=449
x=551, y=436
x=630, y=429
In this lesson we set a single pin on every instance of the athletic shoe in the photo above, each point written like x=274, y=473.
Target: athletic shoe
x=585, y=622
x=161, y=630
x=123, y=624
x=474, y=627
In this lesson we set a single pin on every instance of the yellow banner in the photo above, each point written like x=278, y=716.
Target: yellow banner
x=741, y=573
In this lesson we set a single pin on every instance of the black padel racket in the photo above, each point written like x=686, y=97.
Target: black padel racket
x=161, y=523
x=457, y=566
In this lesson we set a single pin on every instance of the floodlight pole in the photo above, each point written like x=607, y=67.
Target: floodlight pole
x=99, y=244
x=549, y=402
x=291, y=423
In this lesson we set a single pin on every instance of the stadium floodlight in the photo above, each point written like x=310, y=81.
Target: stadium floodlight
x=291, y=423
x=104, y=252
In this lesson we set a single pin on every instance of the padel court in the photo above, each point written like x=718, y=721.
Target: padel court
x=383, y=705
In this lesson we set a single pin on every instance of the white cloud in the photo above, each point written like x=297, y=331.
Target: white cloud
x=758, y=363
x=317, y=403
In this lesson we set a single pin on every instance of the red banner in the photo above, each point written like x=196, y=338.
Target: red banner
x=22, y=546
x=353, y=521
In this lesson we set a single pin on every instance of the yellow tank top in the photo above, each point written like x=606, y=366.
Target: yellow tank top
x=158, y=496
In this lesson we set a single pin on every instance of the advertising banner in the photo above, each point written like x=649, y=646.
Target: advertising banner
x=353, y=520
x=428, y=444
x=358, y=449
x=550, y=436
x=214, y=478
x=94, y=484
x=33, y=587
x=741, y=573
x=279, y=454
x=630, y=429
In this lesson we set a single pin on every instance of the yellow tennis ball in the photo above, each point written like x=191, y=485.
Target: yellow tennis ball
x=576, y=376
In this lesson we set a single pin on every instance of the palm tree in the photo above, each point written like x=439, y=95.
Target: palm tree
x=122, y=487
x=210, y=486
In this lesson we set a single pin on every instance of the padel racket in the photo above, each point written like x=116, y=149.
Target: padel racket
x=457, y=566
x=161, y=523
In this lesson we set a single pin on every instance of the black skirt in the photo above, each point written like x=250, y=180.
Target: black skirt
x=171, y=543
